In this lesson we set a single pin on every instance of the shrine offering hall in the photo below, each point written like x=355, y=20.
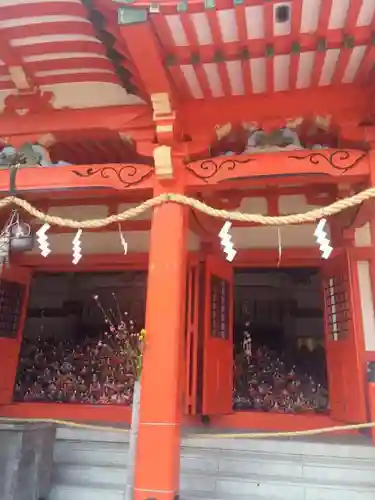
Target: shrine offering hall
x=69, y=353
x=279, y=347
x=69, y=356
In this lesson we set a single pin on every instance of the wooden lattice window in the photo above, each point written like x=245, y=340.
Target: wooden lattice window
x=219, y=308
x=337, y=307
x=11, y=300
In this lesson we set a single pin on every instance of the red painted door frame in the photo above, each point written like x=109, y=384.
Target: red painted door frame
x=218, y=337
x=10, y=347
x=344, y=339
x=256, y=259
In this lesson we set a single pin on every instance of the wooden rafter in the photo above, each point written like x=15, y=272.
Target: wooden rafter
x=147, y=57
x=197, y=55
x=194, y=6
x=218, y=42
x=279, y=46
x=296, y=23
x=242, y=36
x=268, y=37
x=193, y=42
x=346, y=52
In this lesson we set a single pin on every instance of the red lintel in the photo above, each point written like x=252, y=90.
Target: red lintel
x=280, y=167
x=96, y=178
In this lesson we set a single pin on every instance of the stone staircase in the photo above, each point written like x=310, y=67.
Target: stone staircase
x=91, y=465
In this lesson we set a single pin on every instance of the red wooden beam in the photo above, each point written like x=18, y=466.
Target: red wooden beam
x=200, y=117
x=352, y=16
x=244, y=170
x=367, y=65
x=120, y=118
x=345, y=53
x=193, y=6
x=218, y=42
x=295, y=35
x=193, y=43
x=142, y=45
x=243, y=40
x=280, y=45
x=164, y=35
x=130, y=197
x=90, y=263
x=341, y=65
x=98, y=179
x=268, y=39
x=321, y=34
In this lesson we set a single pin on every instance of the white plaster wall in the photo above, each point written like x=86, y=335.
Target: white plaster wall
x=294, y=204
x=77, y=212
x=301, y=236
x=362, y=236
x=254, y=205
x=80, y=212
x=107, y=242
x=267, y=236
x=367, y=304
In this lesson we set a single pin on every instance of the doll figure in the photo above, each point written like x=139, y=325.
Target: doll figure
x=246, y=345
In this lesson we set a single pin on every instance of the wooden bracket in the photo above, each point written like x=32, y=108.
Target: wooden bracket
x=163, y=162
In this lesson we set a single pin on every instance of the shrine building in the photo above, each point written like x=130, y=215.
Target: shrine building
x=249, y=106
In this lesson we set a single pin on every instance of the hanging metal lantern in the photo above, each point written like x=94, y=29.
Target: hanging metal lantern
x=21, y=237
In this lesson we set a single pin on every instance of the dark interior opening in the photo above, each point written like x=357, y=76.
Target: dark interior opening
x=279, y=351
x=73, y=350
x=282, y=14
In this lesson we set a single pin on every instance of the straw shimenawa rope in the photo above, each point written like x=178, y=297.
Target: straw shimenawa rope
x=197, y=435
x=311, y=216
x=131, y=213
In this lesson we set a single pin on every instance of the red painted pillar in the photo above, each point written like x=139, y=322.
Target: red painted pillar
x=158, y=450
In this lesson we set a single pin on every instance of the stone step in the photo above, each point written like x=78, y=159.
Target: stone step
x=312, y=494
x=94, y=435
x=362, y=449
x=91, y=453
x=197, y=495
x=85, y=492
x=91, y=465
x=75, y=474
x=340, y=470
x=226, y=461
x=252, y=486
x=345, y=471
